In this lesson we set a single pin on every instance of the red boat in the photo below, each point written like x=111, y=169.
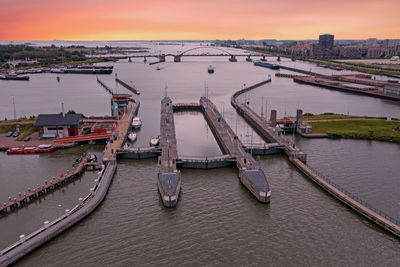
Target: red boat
x=31, y=150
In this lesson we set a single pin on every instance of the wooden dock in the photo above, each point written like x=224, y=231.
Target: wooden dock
x=127, y=86
x=169, y=177
x=120, y=133
x=250, y=174
x=80, y=165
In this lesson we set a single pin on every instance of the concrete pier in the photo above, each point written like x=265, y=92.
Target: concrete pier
x=50, y=230
x=264, y=128
x=298, y=158
x=24, y=199
x=250, y=174
x=169, y=177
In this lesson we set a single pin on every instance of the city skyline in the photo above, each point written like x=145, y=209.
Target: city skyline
x=192, y=20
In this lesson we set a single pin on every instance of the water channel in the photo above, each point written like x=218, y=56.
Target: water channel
x=216, y=222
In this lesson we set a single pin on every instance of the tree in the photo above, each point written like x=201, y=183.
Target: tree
x=75, y=58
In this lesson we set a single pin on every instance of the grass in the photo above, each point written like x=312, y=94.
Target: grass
x=333, y=116
x=26, y=129
x=371, y=69
x=380, y=130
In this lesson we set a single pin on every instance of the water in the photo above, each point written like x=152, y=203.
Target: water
x=217, y=221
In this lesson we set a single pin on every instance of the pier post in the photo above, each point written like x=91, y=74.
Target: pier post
x=177, y=58
x=273, y=118
x=299, y=117
x=232, y=58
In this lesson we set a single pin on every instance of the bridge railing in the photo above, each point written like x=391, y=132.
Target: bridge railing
x=355, y=197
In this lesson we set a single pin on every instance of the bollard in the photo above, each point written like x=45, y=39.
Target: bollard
x=22, y=238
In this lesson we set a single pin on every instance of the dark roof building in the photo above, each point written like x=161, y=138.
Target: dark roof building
x=59, y=120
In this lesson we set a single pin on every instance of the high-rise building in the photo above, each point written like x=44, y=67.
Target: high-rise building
x=372, y=42
x=325, y=44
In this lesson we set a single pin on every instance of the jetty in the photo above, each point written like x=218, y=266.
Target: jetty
x=127, y=86
x=80, y=165
x=169, y=177
x=298, y=158
x=108, y=89
x=120, y=133
x=250, y=174
x=265, y=128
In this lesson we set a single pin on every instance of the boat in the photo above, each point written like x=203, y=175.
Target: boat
x=88, y=71
x=45, y=148
x=132, y=137
x=154, y=141
x=158, y=68
x=266, y=65
x=31, y=149
x=14, y=76
x=136, y=123
x=210, y=69
x=248, y=59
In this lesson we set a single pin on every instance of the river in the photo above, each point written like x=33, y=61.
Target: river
x=217, y=221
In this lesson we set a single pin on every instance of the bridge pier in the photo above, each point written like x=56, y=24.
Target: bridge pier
x=177, y=58
x=248, y=59
x=232, y=59
x=145, y=60
x=161, y=58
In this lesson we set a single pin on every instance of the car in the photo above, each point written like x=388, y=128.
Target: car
x=16, y=134
x=9, y=134
x=27, y=138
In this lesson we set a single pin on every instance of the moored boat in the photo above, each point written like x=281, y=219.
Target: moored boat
x=14, y=76
x=154, y=141
x=31, y=149
x=210, y=69
x=132, y=137
x=136, y=123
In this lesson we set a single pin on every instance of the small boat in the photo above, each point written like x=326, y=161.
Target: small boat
x=158, y=68
x=154, y=141
x=210, y=69
x=15, y=150
x=45, y=148
x=136, y=123
x=132, y=137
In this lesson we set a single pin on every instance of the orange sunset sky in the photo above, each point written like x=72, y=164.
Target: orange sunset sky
x=197, y=19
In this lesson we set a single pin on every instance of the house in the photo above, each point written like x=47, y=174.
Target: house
x=59, y=125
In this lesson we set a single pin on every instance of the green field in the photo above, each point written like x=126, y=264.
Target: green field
x=359, y=129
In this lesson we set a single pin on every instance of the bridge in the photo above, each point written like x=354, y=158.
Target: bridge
x=188, y=53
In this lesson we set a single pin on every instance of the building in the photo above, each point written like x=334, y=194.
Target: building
x=325, y=44
x=372, y=42
x=59, y=125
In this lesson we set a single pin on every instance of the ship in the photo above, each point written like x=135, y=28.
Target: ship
x=14, y=76
x=266, y=65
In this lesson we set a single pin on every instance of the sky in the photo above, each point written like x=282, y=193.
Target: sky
x=197, y=19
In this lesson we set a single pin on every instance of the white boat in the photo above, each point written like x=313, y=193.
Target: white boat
x=154, y=141
x=136, y=123
x=132, y=137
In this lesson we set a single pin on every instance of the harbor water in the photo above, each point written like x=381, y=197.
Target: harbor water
x=217, y=221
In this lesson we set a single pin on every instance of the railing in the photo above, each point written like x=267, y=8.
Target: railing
x=355, y=197
x=80, y=205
